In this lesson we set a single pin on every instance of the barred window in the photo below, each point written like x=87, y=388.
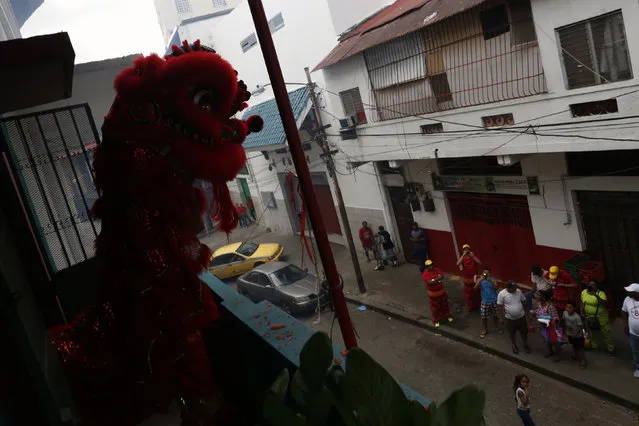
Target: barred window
x=183, y=6
x=276, y=23
x=219, y=3
x=595, y=51
x=248, y=42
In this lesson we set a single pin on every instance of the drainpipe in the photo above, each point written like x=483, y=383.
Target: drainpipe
x=301, y=167
x=447, y=208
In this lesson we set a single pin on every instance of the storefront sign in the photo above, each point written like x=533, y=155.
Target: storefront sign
x=518, y=185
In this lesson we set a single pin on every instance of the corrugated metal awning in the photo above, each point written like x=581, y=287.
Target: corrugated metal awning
x=396, y=20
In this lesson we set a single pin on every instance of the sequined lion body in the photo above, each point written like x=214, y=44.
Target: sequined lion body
x=141, y=345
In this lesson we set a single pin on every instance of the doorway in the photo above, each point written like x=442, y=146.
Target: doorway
x=499, y=231
x=610, y=222
x=403, y=217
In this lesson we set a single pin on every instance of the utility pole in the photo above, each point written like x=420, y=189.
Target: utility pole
x=303, y=173
x=330, y=165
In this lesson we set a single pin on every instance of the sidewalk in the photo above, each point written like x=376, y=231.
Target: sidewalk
x=399, y=293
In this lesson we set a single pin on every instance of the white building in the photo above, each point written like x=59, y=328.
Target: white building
x=505, y=124
x=171, y=13
x=303, y=32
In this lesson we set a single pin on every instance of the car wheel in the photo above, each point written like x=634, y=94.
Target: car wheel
x=258, y=264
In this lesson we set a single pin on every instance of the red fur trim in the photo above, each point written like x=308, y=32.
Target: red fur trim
x=222, y=209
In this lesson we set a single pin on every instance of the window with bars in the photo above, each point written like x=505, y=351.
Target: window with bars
x=183, y=6
x=276, y=23
x=248, y=42
x=353, y=106
x=522, y=24
x=219, y=3
x=595, y=51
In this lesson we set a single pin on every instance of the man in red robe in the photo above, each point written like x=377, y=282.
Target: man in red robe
x=437, y=295
x=564, y=287
x=469, y=264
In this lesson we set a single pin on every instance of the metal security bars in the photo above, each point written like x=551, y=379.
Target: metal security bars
x=50, y=152
x=484, y=55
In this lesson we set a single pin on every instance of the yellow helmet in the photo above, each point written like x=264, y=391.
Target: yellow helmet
x=553, y=272
x=428, y=262
x=466, y=246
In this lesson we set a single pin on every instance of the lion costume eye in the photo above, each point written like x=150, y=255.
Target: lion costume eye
x=203, y=98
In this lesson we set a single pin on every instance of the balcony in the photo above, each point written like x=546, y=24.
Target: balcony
x=484, y=55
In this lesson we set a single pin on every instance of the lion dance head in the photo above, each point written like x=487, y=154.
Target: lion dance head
x=182, y=107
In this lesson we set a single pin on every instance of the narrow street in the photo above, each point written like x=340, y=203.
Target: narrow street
x=434, y=366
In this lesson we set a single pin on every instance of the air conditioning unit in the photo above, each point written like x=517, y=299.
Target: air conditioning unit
x=347, y=123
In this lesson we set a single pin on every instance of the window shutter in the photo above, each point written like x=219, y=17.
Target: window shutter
x=576, y=52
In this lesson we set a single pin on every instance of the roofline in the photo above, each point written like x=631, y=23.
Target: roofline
x=205, y=17
x=121, y=62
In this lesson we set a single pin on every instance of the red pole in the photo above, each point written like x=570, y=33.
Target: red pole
x=303, y=174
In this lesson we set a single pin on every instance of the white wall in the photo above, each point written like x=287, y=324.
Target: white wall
x=169, y=18
x=200, y=30
x=345, y=14
x=548, y=211
x=400, y=139
x=419, y=171
x=93, y=84
x=549, y=15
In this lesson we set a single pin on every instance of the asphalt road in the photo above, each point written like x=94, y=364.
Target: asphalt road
x=434, y=366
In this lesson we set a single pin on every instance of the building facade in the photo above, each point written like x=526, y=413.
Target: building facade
x=508, y=125
x=171, y=13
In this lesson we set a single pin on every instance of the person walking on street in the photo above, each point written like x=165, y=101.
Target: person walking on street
x=564, y=287
x=420, y=246
x=488, y=289
x=511, y=303
x=469, y=264
x=241, y=212
x=366, y=237
x=522, y=396
x=437, y=295
x=575, y=331
x=388, y=253
x=630, y=311
x=594, y=308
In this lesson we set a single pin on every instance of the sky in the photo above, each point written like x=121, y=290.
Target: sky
x=100, y=29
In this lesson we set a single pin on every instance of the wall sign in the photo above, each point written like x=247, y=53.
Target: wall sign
x=518, y=185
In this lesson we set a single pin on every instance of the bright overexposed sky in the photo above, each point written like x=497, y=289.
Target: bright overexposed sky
x=100, y=29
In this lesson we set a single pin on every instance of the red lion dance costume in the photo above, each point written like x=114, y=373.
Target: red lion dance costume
x=141, y=346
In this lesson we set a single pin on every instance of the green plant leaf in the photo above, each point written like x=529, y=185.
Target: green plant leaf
x=280, y=385
x=463, y=407
x=334, y=382
x=319, y=408
x=299, y=391
x=276, y=413
x=376, y=398
x=421, y=416
x=315, y=359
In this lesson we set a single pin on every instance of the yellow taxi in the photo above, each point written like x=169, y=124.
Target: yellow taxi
x=239, y=258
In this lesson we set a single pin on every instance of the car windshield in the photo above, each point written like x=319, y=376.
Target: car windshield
x=247, y=249
x=289, y=275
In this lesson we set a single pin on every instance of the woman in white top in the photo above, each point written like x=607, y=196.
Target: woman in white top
x=522, y=396
x=539, y=284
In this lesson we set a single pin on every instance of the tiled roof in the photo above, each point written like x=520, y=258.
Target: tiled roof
x=273, y=131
